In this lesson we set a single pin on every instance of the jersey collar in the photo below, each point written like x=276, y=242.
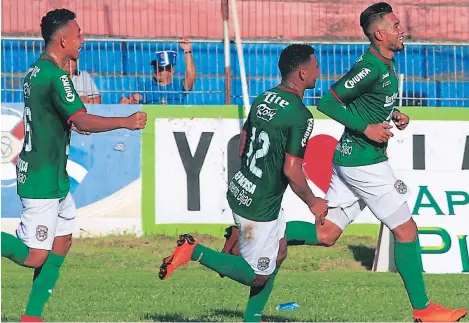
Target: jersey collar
x=49, y=58
x=376, y=52
x=286, y=88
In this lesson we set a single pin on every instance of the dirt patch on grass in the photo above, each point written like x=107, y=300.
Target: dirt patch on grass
x=340, y=265
x=160, y=241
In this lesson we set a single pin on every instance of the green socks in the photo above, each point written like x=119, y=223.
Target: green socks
x=258, y=297
x=44, y=283
x=231, y=266
x=409, y=264
x=301, y=233
x=14, y=249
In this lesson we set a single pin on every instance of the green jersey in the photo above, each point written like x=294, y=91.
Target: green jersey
x=50, y=102
x=368, y=91
x=278, y=124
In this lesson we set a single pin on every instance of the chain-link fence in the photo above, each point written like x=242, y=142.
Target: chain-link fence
x=123, y=36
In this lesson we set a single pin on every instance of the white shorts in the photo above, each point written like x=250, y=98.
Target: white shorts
x=375, y=185
x=44, y=219
x=259, y=242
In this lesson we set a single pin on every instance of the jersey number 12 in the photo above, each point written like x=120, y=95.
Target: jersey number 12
x=263, y=139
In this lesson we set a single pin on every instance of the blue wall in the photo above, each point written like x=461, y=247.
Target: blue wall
x=439, y=74
x=112, y=159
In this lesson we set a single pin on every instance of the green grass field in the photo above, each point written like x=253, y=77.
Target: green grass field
x=115, y=279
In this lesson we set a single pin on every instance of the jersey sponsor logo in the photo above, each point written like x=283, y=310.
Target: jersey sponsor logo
x=42, y=231
x=400, y=187
x=345, y=145
x=263, y=263
x=389, y=100
x=69, y=95
x=34, y=71
x=309, y=130
x=275, y=98
x=344, y=148
x=245, y=183
x=385, y=75
x=350, y=84
x=265, y=113
x=26, y=90
x=387, y=83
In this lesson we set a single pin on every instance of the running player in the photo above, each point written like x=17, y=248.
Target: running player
x=52, y=108
x=363, y=101
x=272, y=146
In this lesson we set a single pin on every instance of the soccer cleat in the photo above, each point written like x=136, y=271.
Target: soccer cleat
x=181, y=256
x=231, y=243
x=28, y=318
x=438, y=313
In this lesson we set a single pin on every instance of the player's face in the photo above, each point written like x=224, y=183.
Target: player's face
x=312, y=72
x=73, y=40
x=393, y=33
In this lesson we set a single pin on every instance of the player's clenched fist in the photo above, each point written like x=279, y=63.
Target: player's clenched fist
x=137, y=121
x=319, y=209
x=378, y=132
x=400, y=119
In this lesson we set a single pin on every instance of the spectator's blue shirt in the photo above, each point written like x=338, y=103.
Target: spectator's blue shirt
x=172, y=93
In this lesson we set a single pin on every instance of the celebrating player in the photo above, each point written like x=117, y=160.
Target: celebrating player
x=272, y=146
x=52, y=107
x=360, y=167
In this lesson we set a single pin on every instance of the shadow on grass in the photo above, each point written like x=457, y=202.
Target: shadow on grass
x=223, y=313
x=175, y=317
x=364, y=255
x=265, y=318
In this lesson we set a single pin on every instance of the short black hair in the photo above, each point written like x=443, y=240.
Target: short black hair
x=372, y=14
x=293, y=56
x=53, y=21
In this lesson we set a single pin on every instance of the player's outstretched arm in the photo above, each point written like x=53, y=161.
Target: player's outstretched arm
x=293, y=169
x=92, y=123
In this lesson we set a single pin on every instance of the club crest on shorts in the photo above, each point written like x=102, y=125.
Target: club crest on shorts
x=400, y=187
x=263, y=263
x=41, y=232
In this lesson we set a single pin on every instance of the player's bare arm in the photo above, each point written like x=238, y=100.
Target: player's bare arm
x=401, y=120
x=293, y=169
x=85, y=122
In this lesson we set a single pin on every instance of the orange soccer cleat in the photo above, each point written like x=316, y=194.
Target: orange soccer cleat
x=438, y=313
x=27, y=318
x=181, y=256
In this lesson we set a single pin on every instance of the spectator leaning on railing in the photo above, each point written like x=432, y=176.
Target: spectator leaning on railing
x=164, y=88
x=83, y=83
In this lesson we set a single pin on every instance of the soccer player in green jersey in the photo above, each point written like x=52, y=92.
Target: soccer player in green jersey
x=363, y=101
x=272, y=147
x=52, y=108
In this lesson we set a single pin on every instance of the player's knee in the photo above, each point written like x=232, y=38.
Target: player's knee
x=62, y=245
x=36, y=258
x=260, y=280
x=327, y=241
x=406, y=232
x=327, y=238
